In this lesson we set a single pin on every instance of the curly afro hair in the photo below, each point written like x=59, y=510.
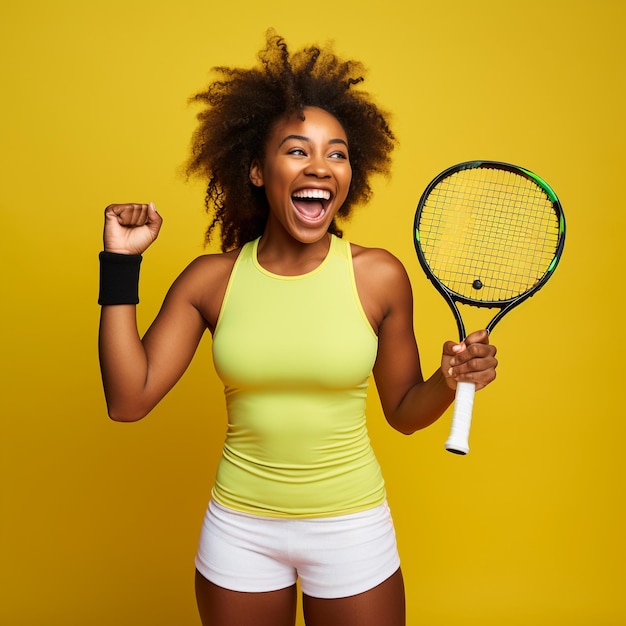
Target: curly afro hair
x=240, y=108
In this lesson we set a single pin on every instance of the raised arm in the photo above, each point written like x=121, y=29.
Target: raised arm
x=409, y=401
x=137, y=373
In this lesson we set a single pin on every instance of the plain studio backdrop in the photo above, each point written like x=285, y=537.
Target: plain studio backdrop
x=99, y=521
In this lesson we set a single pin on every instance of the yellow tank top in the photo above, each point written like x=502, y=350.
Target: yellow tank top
x=295, y=354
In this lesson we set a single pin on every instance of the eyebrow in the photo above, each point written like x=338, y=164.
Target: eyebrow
x=307, y=139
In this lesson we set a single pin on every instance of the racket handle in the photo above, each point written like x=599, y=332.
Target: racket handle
x=458, y=441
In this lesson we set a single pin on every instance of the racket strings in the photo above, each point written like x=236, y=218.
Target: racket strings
x=488, y=234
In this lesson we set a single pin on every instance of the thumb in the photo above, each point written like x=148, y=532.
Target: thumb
x=153, y=220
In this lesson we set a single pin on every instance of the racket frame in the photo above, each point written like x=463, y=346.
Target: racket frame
x=452, y=297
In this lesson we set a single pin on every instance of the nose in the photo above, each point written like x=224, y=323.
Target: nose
x=318, y=167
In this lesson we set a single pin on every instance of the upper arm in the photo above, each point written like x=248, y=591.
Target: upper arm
x=388, y=299
x=173, y=337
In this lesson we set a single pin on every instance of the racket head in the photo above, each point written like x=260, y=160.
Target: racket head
x=488, y=234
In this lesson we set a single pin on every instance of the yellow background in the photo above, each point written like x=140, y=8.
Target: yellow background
x=99, y=521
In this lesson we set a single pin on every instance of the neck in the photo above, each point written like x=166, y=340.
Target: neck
x=288, y=256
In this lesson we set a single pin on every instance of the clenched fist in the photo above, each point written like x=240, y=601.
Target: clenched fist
x=130, y=228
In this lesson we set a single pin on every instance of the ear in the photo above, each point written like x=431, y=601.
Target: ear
x=256, y=173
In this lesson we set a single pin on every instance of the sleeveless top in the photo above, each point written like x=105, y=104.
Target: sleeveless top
x=295, y=354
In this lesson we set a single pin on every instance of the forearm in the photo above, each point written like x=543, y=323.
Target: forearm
x=423, y=404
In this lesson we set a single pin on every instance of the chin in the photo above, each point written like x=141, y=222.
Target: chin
x=311, y=234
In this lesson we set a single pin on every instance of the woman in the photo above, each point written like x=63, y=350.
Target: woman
x=300, y=318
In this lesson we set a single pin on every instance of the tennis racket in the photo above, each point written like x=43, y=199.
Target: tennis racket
x=487, y=234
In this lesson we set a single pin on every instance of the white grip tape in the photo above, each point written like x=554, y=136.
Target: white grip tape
x=458, y=441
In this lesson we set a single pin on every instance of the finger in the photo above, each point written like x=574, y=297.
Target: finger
x=130, y=214
x=478, y=336
x=451, y=348
x=473, y=352
x=137, y=215
x=479, y=370
x=480, y=378
x=119, y=209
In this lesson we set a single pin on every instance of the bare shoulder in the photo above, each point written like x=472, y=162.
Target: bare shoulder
x=204, y=281
x=382, y=283
x=377, y=264
x=211, y=266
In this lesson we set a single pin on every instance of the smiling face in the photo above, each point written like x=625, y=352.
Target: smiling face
x=306, y=173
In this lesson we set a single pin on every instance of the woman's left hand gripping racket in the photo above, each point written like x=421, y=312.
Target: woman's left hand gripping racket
x=487, y=234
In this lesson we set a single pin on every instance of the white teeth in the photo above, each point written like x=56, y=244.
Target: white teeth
x=320, y=194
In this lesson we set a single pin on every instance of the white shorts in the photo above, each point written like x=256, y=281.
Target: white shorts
x=334, y=557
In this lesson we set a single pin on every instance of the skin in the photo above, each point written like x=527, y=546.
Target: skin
x=309, y=154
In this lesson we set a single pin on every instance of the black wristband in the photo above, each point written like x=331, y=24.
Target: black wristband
x=119, y=278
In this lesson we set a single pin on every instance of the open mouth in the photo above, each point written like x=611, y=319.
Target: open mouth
x=311, y=204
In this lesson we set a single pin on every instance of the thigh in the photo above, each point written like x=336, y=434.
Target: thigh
x=222, y=607
x=244, y=552
x=384, y=605
x=343, y=556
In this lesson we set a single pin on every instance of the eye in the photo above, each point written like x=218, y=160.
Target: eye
x=338, y=155
x=297, y=152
